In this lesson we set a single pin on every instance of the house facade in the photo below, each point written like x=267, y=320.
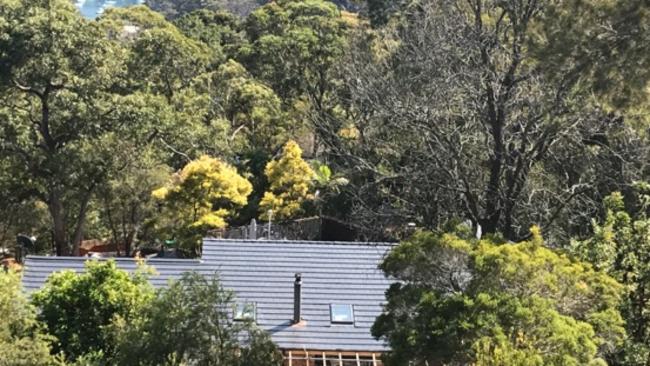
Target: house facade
x=317, y=300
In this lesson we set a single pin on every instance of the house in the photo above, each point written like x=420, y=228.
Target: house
x=317, y=300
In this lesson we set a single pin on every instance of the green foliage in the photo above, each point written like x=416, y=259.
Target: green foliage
x=200, y=198
x=126, y=207
x=19, y=212
x=191, y=323
x=511, y=142
x=620, y=246
x=221, y=31
x=63, y=120
x=290, y=184
x=173, y=8
x=55, y=70
x=462, y=301
x=606, y=43
x=164, y=61
x=22, y=338
x=78, y=309
x=114, y=19
x=380, y=11
x=252, y=110
x=294, y=46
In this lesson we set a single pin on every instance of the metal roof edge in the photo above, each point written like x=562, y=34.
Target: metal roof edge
x=315, y=242
x=116, y=259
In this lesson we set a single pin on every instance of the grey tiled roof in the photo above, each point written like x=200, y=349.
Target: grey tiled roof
x=332, y=272
x=263, y=272
x=38, y=268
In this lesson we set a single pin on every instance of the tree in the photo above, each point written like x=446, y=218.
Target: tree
x=127, y=209
x=620, y=246
x=201, y=197
x=605, y=44
x=61, y=115
x=251, y=110
x=23, y=340
x=191, y=322
x=453, y=115
x=173, y=9
x=114, y=19
x=20, y=212
x=39, y=72
x=290, y=184
x=381, y=11
x=288, y=36
x=219, y=30
x=164, y=61
x=294, y=47
x=78, y=309
x=463, y=301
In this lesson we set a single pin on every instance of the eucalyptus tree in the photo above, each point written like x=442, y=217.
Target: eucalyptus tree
x=62, y=120
x=173, y=9
x=450, y=113
x=606, y=41
x=221, y=31
x=294, y=47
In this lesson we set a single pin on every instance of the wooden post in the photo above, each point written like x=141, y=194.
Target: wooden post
x=307, y=363
x=358, y=361
x=324, y=363
x=374, y=360
x=340, y=359
x=290, y=359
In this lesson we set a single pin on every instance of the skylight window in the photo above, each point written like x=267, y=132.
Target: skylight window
x=245, y=311
x=341, y=314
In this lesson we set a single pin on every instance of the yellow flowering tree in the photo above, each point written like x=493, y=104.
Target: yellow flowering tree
x=201, y=197
x=290, y=184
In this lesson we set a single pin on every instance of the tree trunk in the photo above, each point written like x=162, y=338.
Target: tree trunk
x=81, y=220
x=58, y=222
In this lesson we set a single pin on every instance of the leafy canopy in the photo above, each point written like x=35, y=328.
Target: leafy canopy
x=462, y=301
x=205, y=192
x=294, y=46
x=191, y=323
x=78, y=309
x=199, y=198
x=620, y=246
x=290, y=183
x=23, y=340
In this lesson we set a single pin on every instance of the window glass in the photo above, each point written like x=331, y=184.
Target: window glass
x=341, y=314
x=244, y=311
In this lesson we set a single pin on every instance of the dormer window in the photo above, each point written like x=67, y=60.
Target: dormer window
x=245, y=311
x=341, y=314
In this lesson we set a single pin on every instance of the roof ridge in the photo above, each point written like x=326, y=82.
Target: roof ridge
x=117, y=259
